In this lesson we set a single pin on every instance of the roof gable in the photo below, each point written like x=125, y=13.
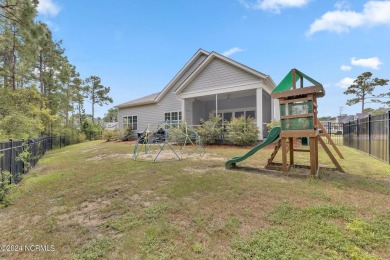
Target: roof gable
x=236, y=65
x=182, y=72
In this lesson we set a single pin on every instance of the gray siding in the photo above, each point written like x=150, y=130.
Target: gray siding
x=187, y=73
x=149, y=114
x=143, y=113
x=219, y=74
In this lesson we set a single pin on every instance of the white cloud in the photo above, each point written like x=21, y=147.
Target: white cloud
x=372, y=63
x=273, y=5
x=345, y=68
x=345, y=82
x=374, y=13
x=47, y=7
x=342, y=5
x=232, y=51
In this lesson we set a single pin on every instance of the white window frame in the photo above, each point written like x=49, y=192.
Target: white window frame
x=179, y=115
x=132, y=122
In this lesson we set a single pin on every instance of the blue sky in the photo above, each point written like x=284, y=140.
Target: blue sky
x=137, y=46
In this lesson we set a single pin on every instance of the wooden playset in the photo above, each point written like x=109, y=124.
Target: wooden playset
x=298, y=115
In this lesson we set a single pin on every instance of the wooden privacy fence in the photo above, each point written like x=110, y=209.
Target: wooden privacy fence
x=370, y=135
x=18, y=156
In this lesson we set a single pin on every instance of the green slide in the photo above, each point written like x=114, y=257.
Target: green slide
x=272, y=137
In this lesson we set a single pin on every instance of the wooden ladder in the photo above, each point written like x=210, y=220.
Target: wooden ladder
x=276, y=149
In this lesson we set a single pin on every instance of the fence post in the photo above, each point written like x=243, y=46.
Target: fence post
x=11, y=162
x=60, y=142
x=388, y=137
x=357, y=133
x=22, y=160
x=349, y=133
x=369, y=134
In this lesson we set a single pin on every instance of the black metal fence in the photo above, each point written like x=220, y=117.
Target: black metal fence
x=335, y=130
x=370, y=134
x=18, y=156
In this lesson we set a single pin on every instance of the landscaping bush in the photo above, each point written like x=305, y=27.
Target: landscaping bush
x=109, y=135
x=126, y=134
x=240, y=132
x=175, y=133
x=273, y=124
x=211, y=129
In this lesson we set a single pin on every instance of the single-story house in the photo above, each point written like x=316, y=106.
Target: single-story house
x=208, y=83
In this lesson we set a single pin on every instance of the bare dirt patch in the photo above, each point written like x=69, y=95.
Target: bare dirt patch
x=87, y=214
x=110, y=155
x=169, y=155
x=201, y=169
x=90, y=149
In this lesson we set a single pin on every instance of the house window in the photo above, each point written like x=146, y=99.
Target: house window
x=167, y=117
x=173, y=116
x=130, y=121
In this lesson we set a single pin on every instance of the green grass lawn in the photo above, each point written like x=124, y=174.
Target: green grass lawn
x=92, y=200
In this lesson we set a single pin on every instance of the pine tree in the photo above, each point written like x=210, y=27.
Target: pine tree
x=362, y=88
x=97, y=93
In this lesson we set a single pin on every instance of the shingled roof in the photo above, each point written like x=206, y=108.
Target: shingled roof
x=149, y=99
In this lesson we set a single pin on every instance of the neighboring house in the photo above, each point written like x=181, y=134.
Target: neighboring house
x=344, y=118
x=110, y=125
x=208, y=83
x=361, y=115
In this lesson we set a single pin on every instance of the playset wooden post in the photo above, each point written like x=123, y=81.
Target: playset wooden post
x=298, y=115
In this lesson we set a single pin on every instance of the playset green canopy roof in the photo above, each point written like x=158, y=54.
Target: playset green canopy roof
x=290, y=81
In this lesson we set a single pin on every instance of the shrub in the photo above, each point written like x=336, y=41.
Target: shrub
x=273, y=124
x=109, y=135
x=92, y=130
x=4, y=186
x=125, y=134
x=240, y=132
x=211, y=129
x=175, y=133
x=73, y=136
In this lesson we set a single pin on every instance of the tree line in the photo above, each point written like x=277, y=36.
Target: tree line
x=41, y=92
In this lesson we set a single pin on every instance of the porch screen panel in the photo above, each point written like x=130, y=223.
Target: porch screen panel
x=227, y=116
x=251, y=114
x=239, y=114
